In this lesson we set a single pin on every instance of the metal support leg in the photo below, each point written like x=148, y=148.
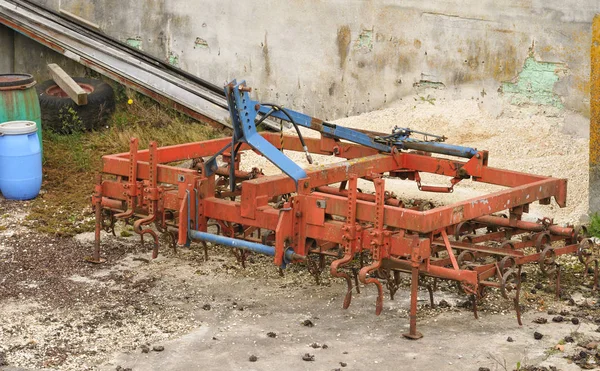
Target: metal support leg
x=413, y=334
x=430, y=290
x=98, y=214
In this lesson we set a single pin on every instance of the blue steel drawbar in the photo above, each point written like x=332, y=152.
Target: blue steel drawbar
x=245, y=113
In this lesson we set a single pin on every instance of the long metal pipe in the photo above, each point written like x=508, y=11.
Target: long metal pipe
x=441, y=148
x=242, y=244
x=360, y=196
x=528, y=226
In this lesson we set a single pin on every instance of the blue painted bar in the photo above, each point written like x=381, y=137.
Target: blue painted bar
x=341, y=132
x=437, y=147
x=239, y=244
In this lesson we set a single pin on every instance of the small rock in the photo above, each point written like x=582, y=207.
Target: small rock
x=308, y=323
x=552, y=312
x=558, y=319
x=324, y=346
x=206, y=307
x=592, y=345
x=569, y=339
x=564, y=313
x=271, y=334
x=538, y=286
x=443, y=304
x=158, y=348
x=343, y=364
x=253, y=358
x=308, y=357
x=145, y=348
x=565, y=296
x=537, y=335
x=575, y=320
x=465, y=304
x=509, y=339
x=484, y=369
x=344, y=352
x=533, y=291
x=315, y=345
x=540, y=320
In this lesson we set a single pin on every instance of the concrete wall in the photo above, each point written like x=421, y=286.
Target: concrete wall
x=30, y=57
x=7, y=54
x=333, y=58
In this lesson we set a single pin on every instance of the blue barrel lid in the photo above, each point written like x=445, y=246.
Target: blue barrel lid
x=18, y=127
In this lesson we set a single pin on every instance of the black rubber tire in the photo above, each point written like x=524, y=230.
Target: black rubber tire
x=63, y=116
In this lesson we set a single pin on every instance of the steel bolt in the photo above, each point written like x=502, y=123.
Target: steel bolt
x=298, y=214
x=478, y=156
x=305, y=184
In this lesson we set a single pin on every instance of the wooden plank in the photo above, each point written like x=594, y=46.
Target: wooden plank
x=66, y=83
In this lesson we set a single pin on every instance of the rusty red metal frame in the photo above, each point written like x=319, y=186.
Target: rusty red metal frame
x=318, y=219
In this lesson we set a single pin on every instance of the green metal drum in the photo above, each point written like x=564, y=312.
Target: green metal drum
x=19, y=100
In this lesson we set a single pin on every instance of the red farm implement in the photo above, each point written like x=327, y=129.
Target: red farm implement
x=318, y=215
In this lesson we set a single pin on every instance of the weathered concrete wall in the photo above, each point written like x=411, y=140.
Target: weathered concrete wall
x=30, y=57
x=333, y=58
x=7, y=54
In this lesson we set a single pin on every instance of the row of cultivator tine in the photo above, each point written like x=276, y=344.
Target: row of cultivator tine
x=318, y=217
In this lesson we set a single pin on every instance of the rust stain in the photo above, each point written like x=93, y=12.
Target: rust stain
x=343, y=42
x=480, y=60
x=503, y=30
x=417, y=43
x=595, y=97
x=266, y=56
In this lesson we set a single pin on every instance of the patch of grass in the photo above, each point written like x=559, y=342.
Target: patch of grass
x=594, y=228
x=72, y=161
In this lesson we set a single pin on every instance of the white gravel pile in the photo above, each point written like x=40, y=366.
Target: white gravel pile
x=527, y=139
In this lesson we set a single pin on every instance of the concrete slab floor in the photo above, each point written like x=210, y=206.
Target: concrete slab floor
x=451, y=342
x=355, y=339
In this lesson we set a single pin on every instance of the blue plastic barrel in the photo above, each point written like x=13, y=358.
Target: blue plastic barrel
x=20, y=160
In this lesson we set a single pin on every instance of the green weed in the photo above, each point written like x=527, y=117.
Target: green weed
x=71, y=161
